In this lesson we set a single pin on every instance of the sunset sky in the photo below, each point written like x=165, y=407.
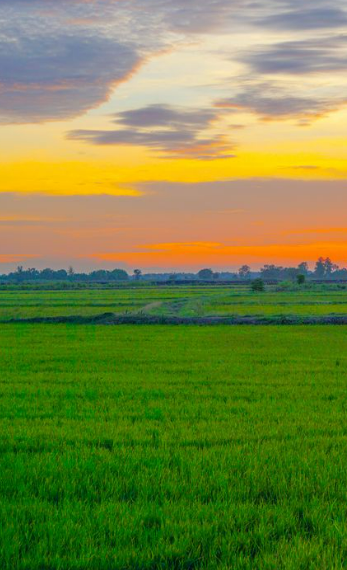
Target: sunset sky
x=172, y=134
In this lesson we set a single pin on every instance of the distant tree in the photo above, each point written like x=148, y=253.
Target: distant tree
x=291, y=273
x=271, y=272
x=325, y=268
x=319, y=271
x=33, y=273
x=330, y=267
x=245, y=272
x=47, y=274
x=301, y=279
x=205, y=274
x=173, y=277
x=258, y=285
x=61, y=275
x=119, y=275
x=19, y=273
x=303, y=268
x=341, y=274
x=71, y=271
x=99, y=275
x=216, y=276
x=137, y=273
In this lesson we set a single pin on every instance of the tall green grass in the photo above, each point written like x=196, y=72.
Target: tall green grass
x=173, y=448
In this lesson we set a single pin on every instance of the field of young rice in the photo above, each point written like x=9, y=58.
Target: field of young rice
x=182, y=301
x=18, y=304
x=151, y=447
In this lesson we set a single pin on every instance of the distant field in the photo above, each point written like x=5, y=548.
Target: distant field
x=26, y=304
x=182, y=301
x=128, y=448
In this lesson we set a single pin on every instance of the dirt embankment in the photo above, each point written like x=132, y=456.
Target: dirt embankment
x=137, y=319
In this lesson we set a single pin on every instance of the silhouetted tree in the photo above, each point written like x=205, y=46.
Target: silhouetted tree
x=271, y=272
x=330, y=267
x=119, y=275
x=319, y=270
x=205, y=274
x=325, y=268
x=303, y=268
x=47, y=274
x=245, y=272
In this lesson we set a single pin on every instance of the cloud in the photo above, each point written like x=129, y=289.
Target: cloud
x=60, y=58
x=312, y=18
x=53, y=78
x=273, y=101
x=156, y=116
x=179, y=16
x=319, y=55
x=15, y=258
x=304, y=231
x=170, y=131
x=195, y=16
x=23, y=222
x=291, y=79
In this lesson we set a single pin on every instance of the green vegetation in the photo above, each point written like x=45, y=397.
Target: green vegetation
x=173, y=447
x=284, y=299
x=17, y=303
x=162, y=447
x=258, y=285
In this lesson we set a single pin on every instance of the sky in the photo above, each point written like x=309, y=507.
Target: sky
x=172, y=134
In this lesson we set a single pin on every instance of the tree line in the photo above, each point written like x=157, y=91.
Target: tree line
x=324, y=269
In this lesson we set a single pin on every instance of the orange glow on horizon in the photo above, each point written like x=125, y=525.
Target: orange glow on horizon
x=218, y=255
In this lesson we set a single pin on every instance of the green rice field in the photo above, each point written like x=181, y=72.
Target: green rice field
x=173, y=447
x=184, y=301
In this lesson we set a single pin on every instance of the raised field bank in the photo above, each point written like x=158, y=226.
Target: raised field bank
x=173, y=446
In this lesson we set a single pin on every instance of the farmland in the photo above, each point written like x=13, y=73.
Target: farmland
x=172, y=447
x=181, y=301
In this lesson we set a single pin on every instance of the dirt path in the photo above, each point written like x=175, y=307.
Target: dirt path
x=147, y=308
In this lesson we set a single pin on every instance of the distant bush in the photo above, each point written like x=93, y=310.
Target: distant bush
x=258, y=285
x=286, y=286
x=301, y=279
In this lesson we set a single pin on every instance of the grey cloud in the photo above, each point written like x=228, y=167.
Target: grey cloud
x=271, y=101
x=313, y=18
x=165, y=116
x=299, y=57
x=173, y=132
x=195, y=16
x=60, y=58
x=51, y=78
x=157, y=140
